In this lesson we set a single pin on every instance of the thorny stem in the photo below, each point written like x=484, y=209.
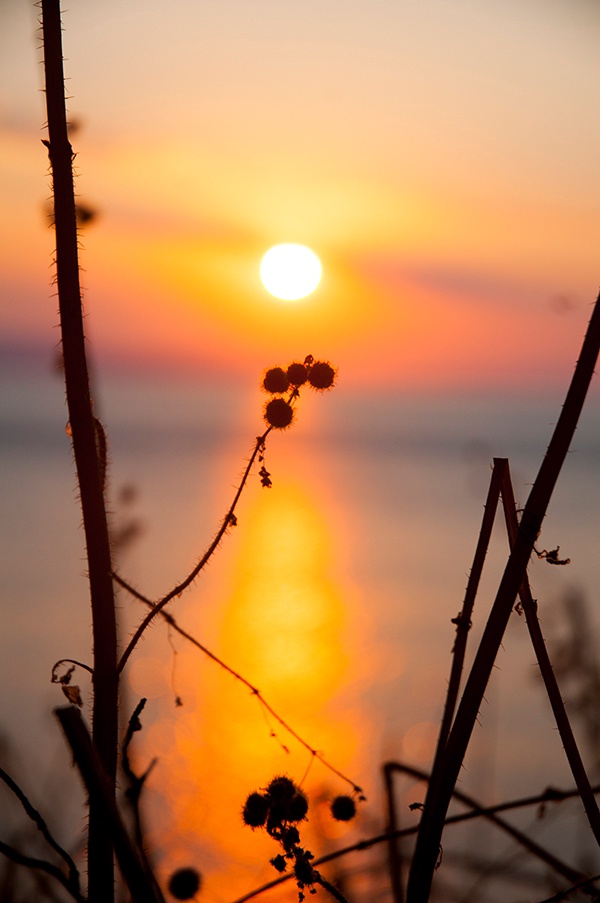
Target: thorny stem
x=549, y=795
x=565, y=894
x=330, y=888
x=429, y=837
x=142, y=887
x=463, y=625
x=547, y=672
x=177, y=590
x=32, y=862
x=560, y=867
x=463, y=622
x=394, y=848
x=42, y=827
x=84, y=433
x=136, y=784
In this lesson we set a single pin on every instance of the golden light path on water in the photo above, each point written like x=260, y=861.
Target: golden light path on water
x=283, y=630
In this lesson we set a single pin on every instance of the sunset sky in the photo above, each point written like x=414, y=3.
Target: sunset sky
x=441, y=159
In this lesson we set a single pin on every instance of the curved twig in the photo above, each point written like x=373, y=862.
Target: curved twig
x=254, y=690
x=39, y=822
x=564, y=894
x=560, y=867
x=546, y=670
x=177, y=590
x=330, y=888
x=44, y=866
x=68, y=661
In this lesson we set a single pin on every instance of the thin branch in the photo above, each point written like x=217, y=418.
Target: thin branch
x=565, y=894
x=42, y=827
x=463, y=620
x=44, y=866
x=394, y=849
x=463, y=625
x=136, y=785
x=142, y=888
x=330, y=888
x=254, y=690
x=560, y=867
x=552, y=689
x=177, y=590
x=549, y=795
x=68, y=661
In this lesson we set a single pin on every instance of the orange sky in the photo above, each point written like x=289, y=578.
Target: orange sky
x=442, y=161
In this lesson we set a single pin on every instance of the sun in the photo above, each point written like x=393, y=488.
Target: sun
x=290, y=271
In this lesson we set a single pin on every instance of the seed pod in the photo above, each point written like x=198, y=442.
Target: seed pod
x=321, y=375
x=255, y=810
x=281, y=789
x=343, y=808
x=275, y=381
x=184, y=883
x=298, y=806
x=279, y=413
x=297, y=374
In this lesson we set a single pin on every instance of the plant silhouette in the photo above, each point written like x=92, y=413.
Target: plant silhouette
x=281, y=807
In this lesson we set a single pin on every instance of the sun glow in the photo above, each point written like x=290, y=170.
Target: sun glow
x=290, y=271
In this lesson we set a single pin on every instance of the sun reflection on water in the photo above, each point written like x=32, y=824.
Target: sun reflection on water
x=283, y=630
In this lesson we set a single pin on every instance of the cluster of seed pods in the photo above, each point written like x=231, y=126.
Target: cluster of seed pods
x=278, y=809
x=280, y=382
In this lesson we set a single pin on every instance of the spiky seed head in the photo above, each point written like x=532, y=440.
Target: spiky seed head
x=279, y=863
x=185, y=883
x=321, y=375
x=343, y=808
x=278, y=814
x=281, y=789
x=297, y=374
x=255, y=810
x=279, y=413
x=275, y=381
x=290, y=837
x=304, y=871
x=298, y=806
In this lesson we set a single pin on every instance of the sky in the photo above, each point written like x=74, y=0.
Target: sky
x=441, y=159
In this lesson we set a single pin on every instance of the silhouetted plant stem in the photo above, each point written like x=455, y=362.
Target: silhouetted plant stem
x=42, y=827
x=463, y=619
x=134, y=791
x=394, y=851
x=42, y=865
x=228, y=520
x=142, y=887
x=173, y=624
x=430, y=832
x=560, y=715
x=544, y=855
x=330, y=888
x=83, y=431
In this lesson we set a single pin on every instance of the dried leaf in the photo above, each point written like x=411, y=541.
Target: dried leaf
x=73, y=695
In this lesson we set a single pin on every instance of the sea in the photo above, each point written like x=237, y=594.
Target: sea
x=374, y=512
